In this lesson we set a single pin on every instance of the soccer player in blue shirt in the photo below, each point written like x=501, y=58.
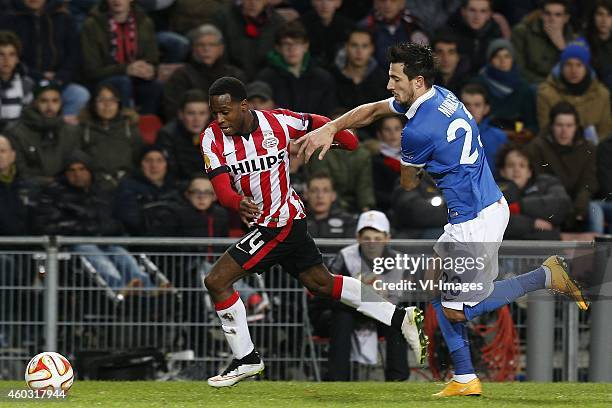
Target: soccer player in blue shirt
x=441, y=137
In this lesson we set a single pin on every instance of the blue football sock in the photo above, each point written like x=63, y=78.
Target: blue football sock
x=452, y=333
x=462, y=358
x=506, y=291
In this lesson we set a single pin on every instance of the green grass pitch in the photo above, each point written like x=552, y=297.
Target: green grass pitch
x=307, y=394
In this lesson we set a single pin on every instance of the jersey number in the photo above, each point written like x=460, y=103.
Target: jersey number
x=451, y=134
x=251, y=242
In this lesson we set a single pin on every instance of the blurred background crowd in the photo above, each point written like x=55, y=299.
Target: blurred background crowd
x=102, y=103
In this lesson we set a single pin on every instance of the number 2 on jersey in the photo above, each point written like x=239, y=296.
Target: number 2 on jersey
x=451, y=134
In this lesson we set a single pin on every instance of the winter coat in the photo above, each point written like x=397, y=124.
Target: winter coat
x=145, y=208
x=42, y=144
x=97, y=61
x=602, y=60
x=352, y=176
x=506, y=110
x=14, y=196
x=325, y=41
x=338, y=224
x=49, y=41
x=246, y=52
x=604, y=169
x=189, y=14
x=543, y=197
x=66, y=210
x=114, y=146
x=414, y=210
x=372, y=88
x=183, y=149
x=192, y=222
x=535, y=54
x=194, y=75
x=593, y=106
x=574, y=165
x=15, y=94
x=314, y=91
x=471, y=44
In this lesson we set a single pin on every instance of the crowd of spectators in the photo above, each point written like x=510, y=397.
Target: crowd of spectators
x=78, y=77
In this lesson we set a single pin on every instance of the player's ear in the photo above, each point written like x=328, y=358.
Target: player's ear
x=244, y=105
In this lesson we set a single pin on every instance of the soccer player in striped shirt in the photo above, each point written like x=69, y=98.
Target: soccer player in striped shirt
x=246, y=156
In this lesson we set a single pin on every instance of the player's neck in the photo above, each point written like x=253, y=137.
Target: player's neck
x=418, y=93
x=251, y=123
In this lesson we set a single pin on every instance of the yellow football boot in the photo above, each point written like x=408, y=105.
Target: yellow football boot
x=561, y=282
x=457, y=389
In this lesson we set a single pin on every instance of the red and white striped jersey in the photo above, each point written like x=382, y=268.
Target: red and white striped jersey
x=259, y=164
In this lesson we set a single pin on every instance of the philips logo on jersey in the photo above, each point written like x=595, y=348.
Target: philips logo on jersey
x=258, y=164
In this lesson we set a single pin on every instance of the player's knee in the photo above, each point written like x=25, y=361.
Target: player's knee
x=454, y=316
x=213, y=283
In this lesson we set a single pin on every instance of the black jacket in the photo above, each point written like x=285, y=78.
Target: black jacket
x=194, y=75
x=50, y=41
x=314, y=91
x=543, y=197
x=325, y=41
x=184, y=157
x=339, y=224
x=414, y=210
x=65, y=210
x=473, y=44
x=14, y=196
x=145, y=208
x=373, y=87
x=604, y=169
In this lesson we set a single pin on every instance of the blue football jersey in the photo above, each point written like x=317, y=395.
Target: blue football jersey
x=442, y=136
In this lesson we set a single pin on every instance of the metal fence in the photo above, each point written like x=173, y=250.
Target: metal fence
x=53, y=298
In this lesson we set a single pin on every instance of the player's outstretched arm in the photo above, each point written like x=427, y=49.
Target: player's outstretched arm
x=410, y=177
x=358, y=117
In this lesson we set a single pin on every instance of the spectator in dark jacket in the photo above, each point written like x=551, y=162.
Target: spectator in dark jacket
x=390, y=23
x=50, y=48
x=260, y=96
x=129, y=65
x=199, y=215
x=249, y=29
x=15, y=85
x=476, y=100
x=599, y=36
x=298, y=83
x=13, y=193
x=41, y=138
x=420, y=213
x=204, y=67
x=538, y=204
x=452, y=67
x=325, y=220
x=512, y=99
x=474, y=29
x=386, y=156
x=110, y=135
x=147, y=201
x=564, y=153
x=73, y=205
x=327, y=30
x=180, y=138
x=359, y=78
x=601, y=210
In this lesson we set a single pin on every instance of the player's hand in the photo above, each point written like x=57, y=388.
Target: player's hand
x=249, y=211
x=311, y=141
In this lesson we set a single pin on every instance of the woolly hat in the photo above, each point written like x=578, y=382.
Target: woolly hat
x=498, y=44
x=578, y=49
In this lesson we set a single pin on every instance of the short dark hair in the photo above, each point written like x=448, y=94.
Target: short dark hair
x=193, y=95
x=228, y=85
x=506, y=149
x=358, y=30
x=563, y=3
x=10, y=38
x=563, y=108
x=444, y=36
x=474, y=88
x=418, y=60
x=294, y=30
x=322, y=174
x=99, y=88
x=465, y=3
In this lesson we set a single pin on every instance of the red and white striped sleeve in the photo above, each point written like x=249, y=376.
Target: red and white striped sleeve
x=214, y=162
x=298, y=123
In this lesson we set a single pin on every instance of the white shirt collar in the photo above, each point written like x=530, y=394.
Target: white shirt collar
x=413, y=108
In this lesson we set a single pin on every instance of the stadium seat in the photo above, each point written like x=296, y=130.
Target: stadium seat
x=149, y=125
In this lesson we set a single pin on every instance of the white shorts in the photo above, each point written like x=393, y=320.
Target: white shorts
x=479, y=238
